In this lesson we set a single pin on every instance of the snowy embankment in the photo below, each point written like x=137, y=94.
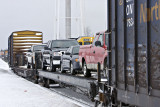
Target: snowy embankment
x=18, y=92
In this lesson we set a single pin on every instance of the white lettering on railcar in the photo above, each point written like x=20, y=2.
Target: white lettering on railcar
x=128, y=1
x=129, y=11
x=130, y=22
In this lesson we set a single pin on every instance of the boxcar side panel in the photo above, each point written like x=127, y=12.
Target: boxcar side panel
x=136, y=41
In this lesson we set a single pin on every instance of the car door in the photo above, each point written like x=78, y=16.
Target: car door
x=99, y=51
x=46, y=56
x=66, y=58
x=92, y=52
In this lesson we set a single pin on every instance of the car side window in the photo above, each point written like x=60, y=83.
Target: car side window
x=95, y=39
x=101, y=39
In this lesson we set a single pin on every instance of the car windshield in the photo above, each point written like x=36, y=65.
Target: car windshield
x=64, y=44
x=38, y=47
x=75, y=50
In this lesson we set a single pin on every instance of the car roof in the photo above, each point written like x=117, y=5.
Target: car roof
x=64, y=40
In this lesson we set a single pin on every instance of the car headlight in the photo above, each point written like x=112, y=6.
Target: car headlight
x=57, y=54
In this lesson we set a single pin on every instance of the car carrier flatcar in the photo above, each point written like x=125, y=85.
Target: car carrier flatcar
x=18, y=45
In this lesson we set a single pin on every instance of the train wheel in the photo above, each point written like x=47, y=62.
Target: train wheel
x=47, y=83
x=41, y=81
x=96, y=103
x=86, y=72
x=35, y=79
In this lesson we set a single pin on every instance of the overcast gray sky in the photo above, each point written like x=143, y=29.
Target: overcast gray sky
x=39, y=15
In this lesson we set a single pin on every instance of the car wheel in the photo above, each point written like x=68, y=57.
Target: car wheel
x=86, y=72
x=72, y=71
x=52, y=68
x=43, y=66
x=33, y=65
x=28, y=66
x=62, y=71
x=96, y=103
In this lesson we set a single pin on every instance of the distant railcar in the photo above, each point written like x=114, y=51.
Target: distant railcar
x=19, y=43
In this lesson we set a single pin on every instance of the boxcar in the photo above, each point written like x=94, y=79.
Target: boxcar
x=134, y=54
x=19, y=43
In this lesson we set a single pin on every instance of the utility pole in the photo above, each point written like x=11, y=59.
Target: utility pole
x=82, y=17
x=58, y=4
x=68, y=18
x=57, y=18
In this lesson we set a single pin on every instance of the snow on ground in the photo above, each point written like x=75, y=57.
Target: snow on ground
x=18, y=92
x=3, y=65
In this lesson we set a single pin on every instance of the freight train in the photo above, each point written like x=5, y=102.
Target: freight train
x=133, y=58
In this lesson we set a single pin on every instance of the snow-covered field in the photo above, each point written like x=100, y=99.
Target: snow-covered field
x=18, y=92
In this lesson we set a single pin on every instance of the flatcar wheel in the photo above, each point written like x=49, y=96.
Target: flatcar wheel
x=72, y=71
x=47, y=83
x=86, y=72
x=96, y=103
x=41, y=81
x=35, y=79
